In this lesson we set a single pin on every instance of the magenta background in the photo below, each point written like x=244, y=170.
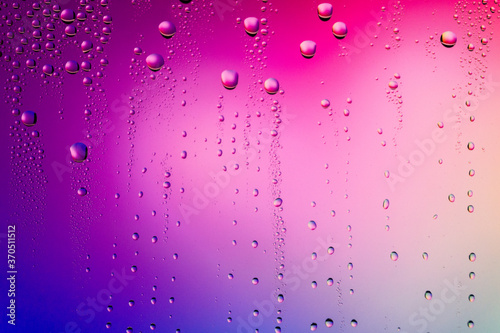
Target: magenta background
x=57, y=229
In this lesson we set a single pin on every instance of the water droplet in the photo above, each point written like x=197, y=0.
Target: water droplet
x=251, y=25
x=71, y=67
x=278, y=202
x=470, y=324
x=354, y=323
x=255, y=244
x=472, y=298
x=425, y=255
x=308, y=49
x=255, y=192
x=325, y=11
x=393, y=84
x=271, y=86
x=67, y=16
x=350, y=266
x=135, y=236
x=329, y=322
x=281, y=298
x=78, y=152
x=82, y=191
x=448, y=39
x=470, y=146
x=155, y=61
x=470, y=209
x=314, y=284
x=330, y=250
x=29, y=118
x=312, y=225
x=325, y=103
x=471, y=47
x=428, y=295
x=339, y=30
x=385, y=204
x=329, y=282
x=86, y=46
x=472, y=257
x=472, y=275
x=167, y=29
x=394, y=256
x=48, y=69
x=451, y=198
x=255, y=281
x=314, y=326
x=229, y=79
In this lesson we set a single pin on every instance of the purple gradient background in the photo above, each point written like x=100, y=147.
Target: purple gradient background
x=321, y=163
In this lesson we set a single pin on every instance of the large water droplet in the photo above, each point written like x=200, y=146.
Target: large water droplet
x=325, y=11
x=251, y=25
x=308, y=48
x=229, y=79
x=71, y=67
x=448, y=39
x=278, y=202
x=167, y=29
x=428, y=295
x=155, y=61
x=329, y=322
x=78, y=152
x=67, y=16
x=82, y=191
x=86, y=46
x=354, y=323
x=271, y=86
x=472, y=257
x=339, y=30
x=393, y=84
x=394, y=256
x=29, y=118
